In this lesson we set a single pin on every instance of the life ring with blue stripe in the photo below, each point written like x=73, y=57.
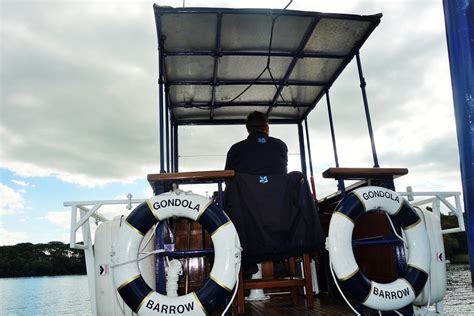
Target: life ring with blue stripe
x=378, y=296
x=128, y=280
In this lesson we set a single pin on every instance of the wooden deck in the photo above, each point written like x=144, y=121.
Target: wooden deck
x=281, y=305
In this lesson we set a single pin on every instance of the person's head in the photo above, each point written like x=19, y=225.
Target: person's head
x=257, y=122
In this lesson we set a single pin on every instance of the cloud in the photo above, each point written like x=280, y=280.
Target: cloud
x=83, y=108
x=20, y=183
x=93, y=134
x=61, y=219
x=12, y=237
x=12, y=201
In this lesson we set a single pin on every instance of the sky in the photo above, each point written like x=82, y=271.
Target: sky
x=78, y=106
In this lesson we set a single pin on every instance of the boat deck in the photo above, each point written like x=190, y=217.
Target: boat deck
x=282, y=305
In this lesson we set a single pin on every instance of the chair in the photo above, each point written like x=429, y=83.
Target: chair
x=276, y=218
x=273, y=282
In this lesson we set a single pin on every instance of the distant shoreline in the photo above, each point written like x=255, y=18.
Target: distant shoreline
x=30, y=260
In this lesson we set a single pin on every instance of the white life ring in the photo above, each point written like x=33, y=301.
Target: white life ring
x=128, y=279
x=379, y=296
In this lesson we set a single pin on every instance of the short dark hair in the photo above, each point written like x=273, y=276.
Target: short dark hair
x=256, y=122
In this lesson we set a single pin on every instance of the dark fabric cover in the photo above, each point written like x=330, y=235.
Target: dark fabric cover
x=258, y=154
x=275, y=216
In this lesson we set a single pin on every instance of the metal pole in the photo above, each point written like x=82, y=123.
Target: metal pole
x=313, y=186
x=331, y=125
x=90, y=264
x=172, y=146
x=167, y=129
x=367, y=113
x=340, y=181
x=459, y=19
x=302, y=149
x=309, y=148
x=161, y=110
x=175, y=148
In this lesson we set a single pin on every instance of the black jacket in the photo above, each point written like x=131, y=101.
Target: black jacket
x=259, y=154
x=275, y=216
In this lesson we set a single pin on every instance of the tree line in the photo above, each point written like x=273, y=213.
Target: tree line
x=53, y=258
x=455, y=245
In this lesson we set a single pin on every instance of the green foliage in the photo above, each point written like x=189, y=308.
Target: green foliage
x=451, y=245
x=462, y=258
x=455, y=245
x=53, y=258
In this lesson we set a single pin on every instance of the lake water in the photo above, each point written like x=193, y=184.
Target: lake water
x=61, y=295
x=68, y=295
x=459, y=299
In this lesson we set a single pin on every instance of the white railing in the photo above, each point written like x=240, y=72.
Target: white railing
x=436, y=200
x=87, y=210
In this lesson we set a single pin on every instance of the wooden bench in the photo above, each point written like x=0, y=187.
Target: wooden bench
x=366, y=176
x=162, y=182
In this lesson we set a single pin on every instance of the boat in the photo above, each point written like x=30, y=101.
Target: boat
x=178, y=253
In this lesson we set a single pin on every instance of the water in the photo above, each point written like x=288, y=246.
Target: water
x=459, y=299
x=60, y=295
x=68, y=295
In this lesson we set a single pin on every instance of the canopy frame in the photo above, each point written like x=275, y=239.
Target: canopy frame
x=171, y=110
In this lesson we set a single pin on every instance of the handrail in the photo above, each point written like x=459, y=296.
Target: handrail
x=197, y=176
x=88, y=209
x=436, y=199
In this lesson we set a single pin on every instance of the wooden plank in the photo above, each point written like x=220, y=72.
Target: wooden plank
x=363, y=173
x=274, y=283
x=195, y=176
x=282, y=305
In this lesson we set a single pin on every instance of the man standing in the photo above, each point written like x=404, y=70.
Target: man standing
x=259, y=154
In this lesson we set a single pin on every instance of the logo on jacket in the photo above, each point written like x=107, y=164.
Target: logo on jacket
x=261, y=140
x=263, y=179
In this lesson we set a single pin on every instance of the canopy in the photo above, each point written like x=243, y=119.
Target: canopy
x=214, y=60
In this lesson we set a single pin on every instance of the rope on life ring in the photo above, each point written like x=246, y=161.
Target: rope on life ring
x=379, y=296
x=223, y=276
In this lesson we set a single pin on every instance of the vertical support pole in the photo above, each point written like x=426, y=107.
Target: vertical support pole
x=457, y=201
x=175, y=148
x=302, y=149
x=90, y=264
x=459, y=19
x=161, y=110
x=331, y=126
x=220, y=194
x=168, y=151
x=72, y=235
x=367, y=113
x=340, y=182
x=172, y=146
x=313, y=187
x=160, y=262
x=159, y=265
